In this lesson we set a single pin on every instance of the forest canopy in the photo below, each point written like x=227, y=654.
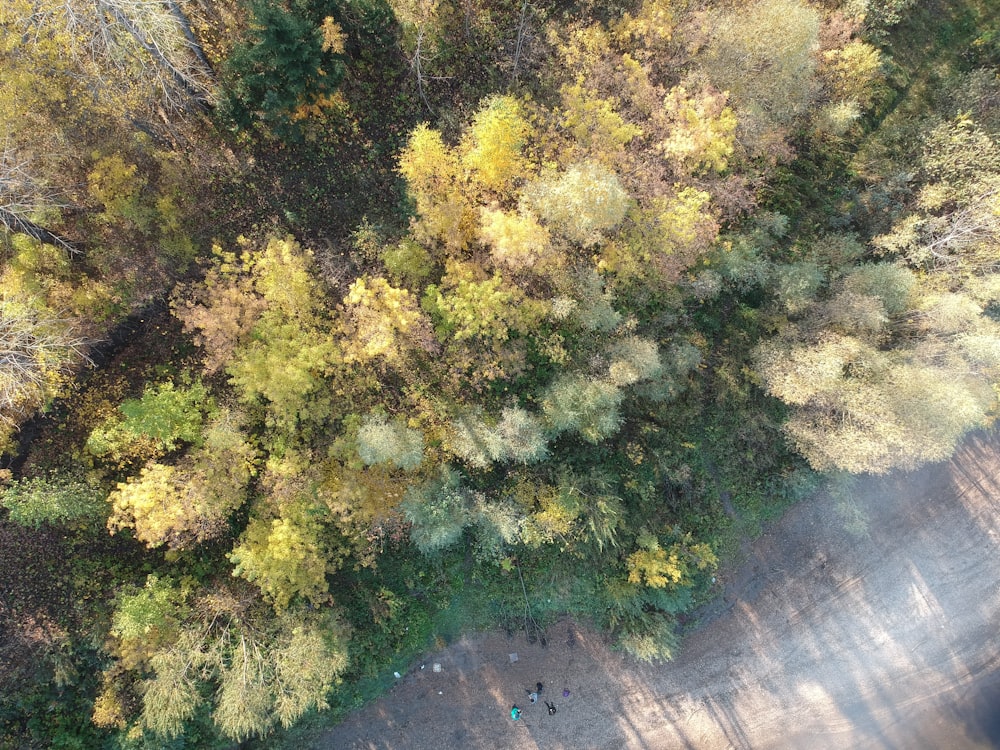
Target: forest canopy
x=329, y=328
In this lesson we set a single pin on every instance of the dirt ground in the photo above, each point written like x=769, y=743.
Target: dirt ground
x=870, y=623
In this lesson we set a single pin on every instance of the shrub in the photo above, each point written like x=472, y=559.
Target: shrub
x=439, y=511
x=383, y=441
x=589, y=407
x=583, y=202
x=58, y=499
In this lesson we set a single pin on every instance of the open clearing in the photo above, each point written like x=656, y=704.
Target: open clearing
x=863, y=623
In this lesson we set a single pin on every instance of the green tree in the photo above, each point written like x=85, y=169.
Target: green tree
x=159, y=422
x=438, y=511
x=575, y=403
x=61, y=499
x=465, y=306
x=147, y=619
x=285, y=63
x=267, y=670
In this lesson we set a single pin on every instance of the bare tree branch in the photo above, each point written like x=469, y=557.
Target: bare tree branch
x=21, y=196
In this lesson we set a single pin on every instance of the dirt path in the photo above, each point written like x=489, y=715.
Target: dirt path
x=868, y=626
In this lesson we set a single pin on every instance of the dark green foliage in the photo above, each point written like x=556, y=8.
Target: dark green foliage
x=281, y=66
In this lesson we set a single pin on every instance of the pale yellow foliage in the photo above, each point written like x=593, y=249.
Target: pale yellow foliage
x=582, y=203
x=385, y=321
x=800, y=374
x=517, y=241
x=702, y=130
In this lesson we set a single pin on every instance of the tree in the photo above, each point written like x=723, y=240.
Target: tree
x=62, y=499
x=132, y=52
x=285, y=557
x=466, y=306
x=853, y=72
x=599, y=132
x=492, y=147
x=701, y=130
x=21, y=197
x=956, y=224
x=147, y=619
x=266, y=669
x=897, y=362
x=763, y=56
x=436, y=182
x=581, y=203
x=865, y=407
x=191, y=501
x=518, y=243
x=474, y=439
x=438, y=511
x=578, y=404
x=658, y=567
x=384, y=441
x=383, y=322
x=633, y=359
x=177, y=65
x=516, y=436
x=162, y=420
x=286, y=63
x=37, y=349
x=264, y=314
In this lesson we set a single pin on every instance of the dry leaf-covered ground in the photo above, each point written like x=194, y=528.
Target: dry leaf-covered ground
x=873, y=623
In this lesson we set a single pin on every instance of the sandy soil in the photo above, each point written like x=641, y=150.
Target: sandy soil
x=871, y=624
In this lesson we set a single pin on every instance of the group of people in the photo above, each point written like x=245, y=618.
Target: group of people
x=515, y=711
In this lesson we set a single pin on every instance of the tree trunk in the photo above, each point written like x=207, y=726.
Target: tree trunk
x=185, y=24
x=190, y=88
x=20, y=225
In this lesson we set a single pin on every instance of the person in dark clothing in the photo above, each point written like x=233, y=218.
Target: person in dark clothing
x=533, y=694
x=551, y=707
